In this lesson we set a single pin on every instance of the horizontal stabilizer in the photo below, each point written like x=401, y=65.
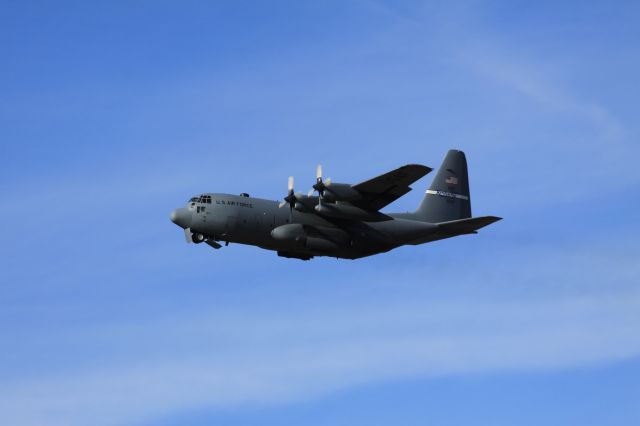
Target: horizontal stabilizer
x=466, y=226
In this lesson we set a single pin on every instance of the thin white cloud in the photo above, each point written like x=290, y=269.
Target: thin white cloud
x=247, y=355
x=529, y=79
x=296, y=366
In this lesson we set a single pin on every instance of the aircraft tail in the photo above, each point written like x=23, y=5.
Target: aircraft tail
x=448, y=198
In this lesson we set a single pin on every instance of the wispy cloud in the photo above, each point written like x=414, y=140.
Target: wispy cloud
x=529, y=79
x=287, y=361
x=265, y=354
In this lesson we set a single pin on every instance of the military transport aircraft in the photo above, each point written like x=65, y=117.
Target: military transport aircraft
x=342, y=220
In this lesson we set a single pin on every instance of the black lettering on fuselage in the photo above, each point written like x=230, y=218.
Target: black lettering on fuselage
x=234, y=203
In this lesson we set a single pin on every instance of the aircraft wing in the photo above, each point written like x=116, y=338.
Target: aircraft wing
x=384, y=189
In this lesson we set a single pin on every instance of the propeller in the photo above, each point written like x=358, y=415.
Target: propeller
x=320, y=185
x=289, y=199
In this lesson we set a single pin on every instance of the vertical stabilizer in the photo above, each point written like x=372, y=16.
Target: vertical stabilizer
x=448, y=196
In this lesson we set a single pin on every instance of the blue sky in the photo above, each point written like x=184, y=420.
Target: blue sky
x=113, y=114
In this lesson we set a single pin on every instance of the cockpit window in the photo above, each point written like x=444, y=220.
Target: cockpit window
x=201, y=199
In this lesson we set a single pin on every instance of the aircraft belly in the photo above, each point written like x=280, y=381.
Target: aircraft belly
x=308, y=236
x=405, y=231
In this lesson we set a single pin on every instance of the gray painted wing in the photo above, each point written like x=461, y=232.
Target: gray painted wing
x=384, y=189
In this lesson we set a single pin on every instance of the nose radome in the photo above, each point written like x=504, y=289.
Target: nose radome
x=181, y=217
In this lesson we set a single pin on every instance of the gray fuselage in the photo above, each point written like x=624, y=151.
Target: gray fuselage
x=262, y=223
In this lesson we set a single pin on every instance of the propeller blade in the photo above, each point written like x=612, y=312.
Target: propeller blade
x=327, y=181
x=187, y=234
x=319, y=172
x=290, y=198
x=310, y=193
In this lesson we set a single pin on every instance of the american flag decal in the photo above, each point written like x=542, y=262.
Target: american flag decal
x=452, y=180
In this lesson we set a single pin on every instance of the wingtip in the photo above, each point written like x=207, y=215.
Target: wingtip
x=425, y=169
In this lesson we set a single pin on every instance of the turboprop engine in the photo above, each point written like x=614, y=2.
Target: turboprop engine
x=340, y=192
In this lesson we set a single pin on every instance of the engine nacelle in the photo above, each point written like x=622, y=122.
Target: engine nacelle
x=341, y=192
x=305, y=203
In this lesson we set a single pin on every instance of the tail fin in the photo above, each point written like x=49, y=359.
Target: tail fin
x=448, y=196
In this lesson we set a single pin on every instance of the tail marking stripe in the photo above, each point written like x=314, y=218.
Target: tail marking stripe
x=447, y=194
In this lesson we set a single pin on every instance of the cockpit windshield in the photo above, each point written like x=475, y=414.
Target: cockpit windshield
x=206, y=199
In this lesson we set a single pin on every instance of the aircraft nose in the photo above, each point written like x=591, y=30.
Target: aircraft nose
x=181, y=217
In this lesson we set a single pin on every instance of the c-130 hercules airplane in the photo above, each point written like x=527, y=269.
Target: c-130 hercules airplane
x=342, y=220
